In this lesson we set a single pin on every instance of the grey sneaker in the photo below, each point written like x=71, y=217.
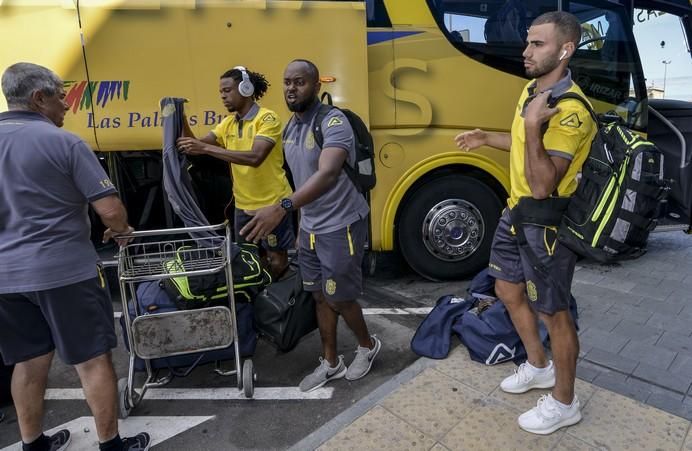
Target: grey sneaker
x=323, y=374
x=363, y=361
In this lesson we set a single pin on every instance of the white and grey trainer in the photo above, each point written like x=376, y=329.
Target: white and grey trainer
x=525, y=378
x=363, y=361
x=323, y=374
x=548, y=416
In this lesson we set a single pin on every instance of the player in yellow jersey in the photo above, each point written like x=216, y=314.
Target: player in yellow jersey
x=249, y=139
x=547, y=149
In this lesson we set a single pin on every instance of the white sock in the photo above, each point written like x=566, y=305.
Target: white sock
x=563, y=406
x=536, y=370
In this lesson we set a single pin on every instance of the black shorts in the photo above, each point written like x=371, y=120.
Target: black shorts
x=282, y=237
x=332, y=262
x=76, y=319
x=508, y=261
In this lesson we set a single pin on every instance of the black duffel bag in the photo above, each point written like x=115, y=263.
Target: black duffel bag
x=284, y=312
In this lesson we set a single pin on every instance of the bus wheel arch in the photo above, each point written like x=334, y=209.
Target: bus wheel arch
x=446, y=222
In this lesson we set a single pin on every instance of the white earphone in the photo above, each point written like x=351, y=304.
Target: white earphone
x=245, y=88
x=564, y=54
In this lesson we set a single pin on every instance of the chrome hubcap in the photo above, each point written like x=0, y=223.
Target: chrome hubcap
x=453, y=230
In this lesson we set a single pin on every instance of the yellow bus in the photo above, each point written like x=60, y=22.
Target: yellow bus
x=418, y=71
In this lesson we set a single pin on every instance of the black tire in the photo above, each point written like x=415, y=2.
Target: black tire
x=124, y=406
x=248, y=379
x=469, y=209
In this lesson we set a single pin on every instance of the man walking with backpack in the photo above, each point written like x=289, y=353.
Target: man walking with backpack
x=548, y=147
x=333, y=223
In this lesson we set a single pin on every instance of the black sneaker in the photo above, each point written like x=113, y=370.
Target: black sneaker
x=139, y=442
x=59, y=441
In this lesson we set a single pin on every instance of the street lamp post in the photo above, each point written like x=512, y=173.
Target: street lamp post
x=665, y=75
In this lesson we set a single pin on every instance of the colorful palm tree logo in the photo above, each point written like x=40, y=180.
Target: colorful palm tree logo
x=80, y=94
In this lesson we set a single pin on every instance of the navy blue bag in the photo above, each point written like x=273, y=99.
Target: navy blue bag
x=434, y=335
x=491, y=337
x=154, y=299
x=481, y=322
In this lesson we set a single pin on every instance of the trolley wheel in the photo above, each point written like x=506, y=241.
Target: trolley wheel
x=248, y=378
x=124, y=406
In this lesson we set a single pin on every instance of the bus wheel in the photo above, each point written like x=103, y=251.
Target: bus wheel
x=447, y=227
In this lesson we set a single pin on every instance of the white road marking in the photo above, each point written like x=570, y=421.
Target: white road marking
x=159, y=428
x=397, y=311
x=261, y=393
x=368, y=311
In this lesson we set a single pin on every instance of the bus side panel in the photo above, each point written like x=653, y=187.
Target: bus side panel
x=438, y=86
x=135, y=57
x=144, y=55
x=47, y=35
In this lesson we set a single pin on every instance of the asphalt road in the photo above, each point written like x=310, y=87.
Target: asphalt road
x=272, y=422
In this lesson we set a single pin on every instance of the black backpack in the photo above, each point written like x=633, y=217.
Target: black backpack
x=616, y=204
x=363, y=173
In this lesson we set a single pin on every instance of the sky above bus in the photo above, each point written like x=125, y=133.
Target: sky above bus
x=650, y=31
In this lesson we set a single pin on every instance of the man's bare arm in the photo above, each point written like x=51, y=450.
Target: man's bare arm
x=114, y=216
x=259, y=152
x=474, y=139
x=543, y=172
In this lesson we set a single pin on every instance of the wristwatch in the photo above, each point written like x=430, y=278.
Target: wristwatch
x=287, y=204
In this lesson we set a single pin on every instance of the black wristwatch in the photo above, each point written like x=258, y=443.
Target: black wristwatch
x=287, y=204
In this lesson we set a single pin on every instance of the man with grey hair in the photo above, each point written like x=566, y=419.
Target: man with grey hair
x=53, y=294
x=547, y=148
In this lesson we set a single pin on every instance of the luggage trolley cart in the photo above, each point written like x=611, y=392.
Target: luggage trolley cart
x=158, y=335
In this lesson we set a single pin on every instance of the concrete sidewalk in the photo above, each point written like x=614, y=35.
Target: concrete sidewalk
x=456, y=404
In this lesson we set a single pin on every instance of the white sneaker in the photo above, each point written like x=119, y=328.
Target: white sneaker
x=525, y=378
x=547, y=417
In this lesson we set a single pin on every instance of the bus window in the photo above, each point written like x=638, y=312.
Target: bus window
x=606, y=64
x=377, y=14
x=492, y=32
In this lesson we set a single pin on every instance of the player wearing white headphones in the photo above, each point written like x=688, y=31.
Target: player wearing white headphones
x=249, y=139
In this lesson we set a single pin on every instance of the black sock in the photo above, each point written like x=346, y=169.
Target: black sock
x=114, y=444
x=40, y=444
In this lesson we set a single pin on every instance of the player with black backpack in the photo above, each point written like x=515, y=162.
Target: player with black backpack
x=329, y=152
x=533, y=268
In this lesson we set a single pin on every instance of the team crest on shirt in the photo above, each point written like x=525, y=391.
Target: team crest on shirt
x=572, y=121
x=310, y=140
x=330, y=287
x=269, y=118
x=271, y=240
x=334, y=121
x=531, y=291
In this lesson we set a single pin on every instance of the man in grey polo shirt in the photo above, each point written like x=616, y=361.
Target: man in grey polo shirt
x=333, y=223
x=53, y=294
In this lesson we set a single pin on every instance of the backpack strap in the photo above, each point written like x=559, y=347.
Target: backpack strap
x=328, y=96
x=553, y=101
x=319, y=137
x=317, y=125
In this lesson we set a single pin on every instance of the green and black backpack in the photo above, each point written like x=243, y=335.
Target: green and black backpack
x=617, y=201
x=192, y=292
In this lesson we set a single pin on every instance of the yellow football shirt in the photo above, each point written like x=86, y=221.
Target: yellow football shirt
x=569, y=135
x=266, y=184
